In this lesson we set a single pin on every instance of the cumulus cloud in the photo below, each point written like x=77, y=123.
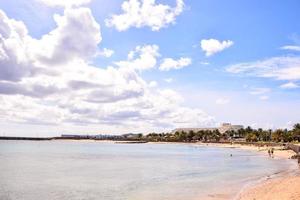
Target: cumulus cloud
x=140, y=13
x=69, y=40
x=14, y=62
x=142, y=58
x=76, y=37
x=153, y=84
x=169, y=63
x=50, y=81
x=106, y=52
x=280, y=68
x=12, y=88
x=289, y=85
x=291, y=47
x=64, y=3
x=213, y=46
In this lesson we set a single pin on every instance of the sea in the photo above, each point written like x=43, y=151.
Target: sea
x=93, y=170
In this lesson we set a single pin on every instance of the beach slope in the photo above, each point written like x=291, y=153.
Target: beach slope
x=287, y=188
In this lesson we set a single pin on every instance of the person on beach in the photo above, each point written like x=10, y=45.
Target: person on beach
x=269, y=152
x=272, y=152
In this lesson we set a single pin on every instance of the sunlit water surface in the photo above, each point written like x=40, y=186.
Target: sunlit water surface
x=70, y=170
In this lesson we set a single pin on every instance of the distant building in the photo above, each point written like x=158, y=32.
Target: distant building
x=229, y=127
x=222, y=129
x=130, y=136
x=67, y=136
x=193, y=129
x=95, y=137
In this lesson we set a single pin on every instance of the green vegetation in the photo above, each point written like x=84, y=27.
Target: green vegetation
x=248, y=134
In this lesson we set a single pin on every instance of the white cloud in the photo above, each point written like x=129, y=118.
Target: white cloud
x=106, y=52
x=222, y=101
x=64, y=3
x=291, y=47
x=76, y=36
x=280, y=68
x=204, y=63
x=142, y=58
x=140, y=13
x=153, y=84
x=259, y=91
x=213, y=46
x=289, y=85
x=169, y=63
x=168, y=80
x=14, y=62
x=57, y=86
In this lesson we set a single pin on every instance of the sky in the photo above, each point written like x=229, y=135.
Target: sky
x=114, y=67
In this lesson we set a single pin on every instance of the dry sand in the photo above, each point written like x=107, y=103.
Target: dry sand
x=286, y=188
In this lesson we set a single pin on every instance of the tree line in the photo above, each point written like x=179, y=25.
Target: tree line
x=249, y=134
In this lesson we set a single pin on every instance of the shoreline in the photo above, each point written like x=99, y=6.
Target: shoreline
x=283, y=185
x=279, y=152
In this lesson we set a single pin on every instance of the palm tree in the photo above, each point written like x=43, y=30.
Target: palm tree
x=296, y=132
x=251, y=137
x=297, y=126
x=190, y=135
x=278, y=135
x=140, y=135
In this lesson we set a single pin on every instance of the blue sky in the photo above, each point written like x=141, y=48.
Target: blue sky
x=247, y=73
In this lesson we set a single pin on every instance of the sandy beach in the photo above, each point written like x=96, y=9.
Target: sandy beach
x=285, y=186
x=279, y=152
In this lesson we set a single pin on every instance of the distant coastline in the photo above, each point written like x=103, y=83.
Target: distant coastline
x=25, y=138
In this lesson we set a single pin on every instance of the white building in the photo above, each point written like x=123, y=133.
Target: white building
x=222, y=129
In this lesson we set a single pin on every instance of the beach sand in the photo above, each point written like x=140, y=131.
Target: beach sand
x=279, y=153
x=284, y=187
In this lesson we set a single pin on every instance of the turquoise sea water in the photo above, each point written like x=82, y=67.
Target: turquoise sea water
x=63, y=170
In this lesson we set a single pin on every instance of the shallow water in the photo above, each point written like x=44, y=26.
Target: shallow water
x=50, y=170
